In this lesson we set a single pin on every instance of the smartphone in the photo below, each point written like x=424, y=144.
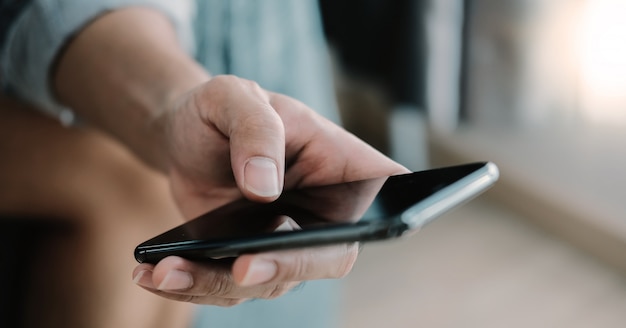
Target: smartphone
x=358, y=211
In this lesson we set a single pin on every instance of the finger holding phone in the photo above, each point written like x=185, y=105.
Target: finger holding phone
x=250, y=236
x=216, y=138
x=232, y=124
x=256, y=263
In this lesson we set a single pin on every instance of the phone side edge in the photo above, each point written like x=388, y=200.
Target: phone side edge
x=355, y=232
x=452, y=196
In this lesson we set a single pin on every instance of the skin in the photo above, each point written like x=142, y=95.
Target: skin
x=211, y=140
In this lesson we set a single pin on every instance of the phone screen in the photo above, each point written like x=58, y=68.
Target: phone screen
x=342, y=212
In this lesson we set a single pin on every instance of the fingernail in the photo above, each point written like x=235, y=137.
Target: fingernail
x=260, y=271
x=261, y=177
x=176, y=280
x=144, y=278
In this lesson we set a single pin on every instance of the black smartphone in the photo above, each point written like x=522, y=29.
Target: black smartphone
x=366, y=210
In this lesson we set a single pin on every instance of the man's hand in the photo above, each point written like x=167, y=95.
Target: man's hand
x=229, y=137
x=218, y=140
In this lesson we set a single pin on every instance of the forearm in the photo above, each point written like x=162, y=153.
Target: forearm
x=122, y=72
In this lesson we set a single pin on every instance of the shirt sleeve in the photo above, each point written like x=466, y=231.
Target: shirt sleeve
x=43, y=28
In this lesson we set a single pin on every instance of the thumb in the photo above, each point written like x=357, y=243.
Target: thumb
x=257, y=142
x=257, y=153
x=260, y=178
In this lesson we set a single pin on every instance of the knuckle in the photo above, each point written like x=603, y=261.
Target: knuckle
x=262, y=121
x=347, y=262
x=218, y=285
x=233, y=82
x=258, y=119
x=251, y=84
x=297, y=268
x=226, y=79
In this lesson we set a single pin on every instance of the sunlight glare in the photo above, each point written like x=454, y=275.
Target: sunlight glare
x=603, y=56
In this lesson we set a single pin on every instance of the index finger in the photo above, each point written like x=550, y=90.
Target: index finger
x=263, y=275
x=295, y=265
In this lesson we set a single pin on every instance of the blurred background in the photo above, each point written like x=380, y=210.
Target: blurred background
x=538, y=87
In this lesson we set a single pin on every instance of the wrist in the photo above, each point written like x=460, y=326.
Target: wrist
x=123, y=73
x=163, y=105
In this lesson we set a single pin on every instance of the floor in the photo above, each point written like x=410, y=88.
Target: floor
x=482, y=266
